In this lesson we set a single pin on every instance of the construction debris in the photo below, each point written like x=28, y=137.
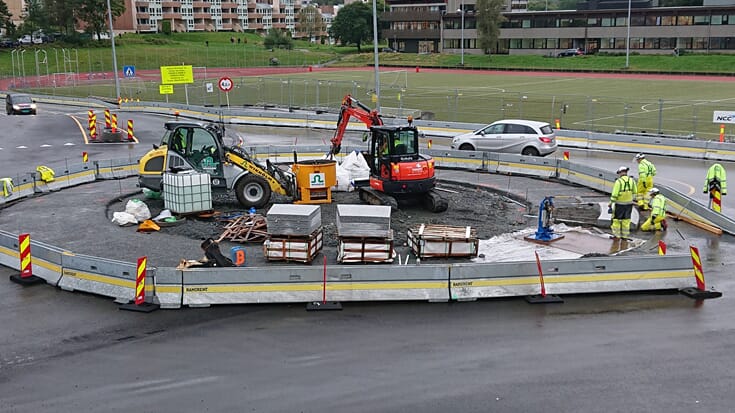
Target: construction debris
x=245, y=228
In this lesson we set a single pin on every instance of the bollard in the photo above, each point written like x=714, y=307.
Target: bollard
x=26, y=276
x=114, y=121
x=139, y=303
x=310, y=69
x=566, y=155
x=429, y=144
x=722, y=132
x=108, y=122
x=558, y=124
x=85, y=157
x=661, y=247
x=699, y=292
x=417, y=69
x=131, y=136
x=92, y=125
x=324, y=305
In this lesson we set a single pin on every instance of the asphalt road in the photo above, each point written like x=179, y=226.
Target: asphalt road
x=63, y=352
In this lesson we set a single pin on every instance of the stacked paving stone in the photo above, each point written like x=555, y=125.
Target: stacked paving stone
x=294, y=233
x=364, y=234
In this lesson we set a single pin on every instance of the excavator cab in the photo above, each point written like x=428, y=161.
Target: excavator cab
x=184, y=145
x=391, y=145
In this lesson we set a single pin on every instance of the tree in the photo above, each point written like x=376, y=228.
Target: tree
x=278, y=39
x=489, y=17
x=353, y=24
x=6, y=21
x=62, y=14
x=94, y=14
x=37, y=17
x=309, y=21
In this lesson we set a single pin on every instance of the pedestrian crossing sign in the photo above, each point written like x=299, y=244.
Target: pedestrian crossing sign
x=129, y=71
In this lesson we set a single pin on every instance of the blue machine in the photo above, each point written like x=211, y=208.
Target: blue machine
x=545, y=233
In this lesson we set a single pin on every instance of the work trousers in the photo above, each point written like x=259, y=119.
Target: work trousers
x=653, y=224
x=644, y=185
x=621, y=220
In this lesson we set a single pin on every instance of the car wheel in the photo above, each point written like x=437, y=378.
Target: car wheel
x=466, y=147
x=530, y=151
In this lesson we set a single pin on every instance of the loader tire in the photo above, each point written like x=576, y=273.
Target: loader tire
x=252, y=191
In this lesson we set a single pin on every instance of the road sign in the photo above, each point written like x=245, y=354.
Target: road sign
x=176, y=75
x=129, y=72
x=225, y=84
x=210, y=87
x=166, y=89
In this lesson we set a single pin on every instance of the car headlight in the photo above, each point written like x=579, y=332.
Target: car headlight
x=16, y=107
x=33, y=105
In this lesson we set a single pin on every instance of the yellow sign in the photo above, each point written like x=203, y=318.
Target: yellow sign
x=166, y=89
x=176, y=75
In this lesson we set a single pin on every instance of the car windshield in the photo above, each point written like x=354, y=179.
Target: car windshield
x=22, y=99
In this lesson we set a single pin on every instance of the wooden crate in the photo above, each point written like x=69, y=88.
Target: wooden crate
x=442, y=241
x=296, y=248
x=365, y=249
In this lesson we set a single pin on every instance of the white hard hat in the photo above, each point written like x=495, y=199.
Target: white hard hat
x=639, y=156
x=623, y=169
x=653, y=191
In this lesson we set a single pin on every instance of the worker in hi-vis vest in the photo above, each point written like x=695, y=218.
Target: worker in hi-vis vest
x=716, y=180
x=621, y=201
x=646, y=172
x=657, y=220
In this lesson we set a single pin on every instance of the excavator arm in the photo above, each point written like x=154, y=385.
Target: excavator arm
x=350, y=108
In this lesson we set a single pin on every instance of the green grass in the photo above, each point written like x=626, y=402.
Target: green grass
x=670, y=107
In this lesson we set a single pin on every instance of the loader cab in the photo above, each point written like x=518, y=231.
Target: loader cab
x=184, y=145
x=392, y=145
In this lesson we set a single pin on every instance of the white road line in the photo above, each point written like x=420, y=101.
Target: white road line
x=21, y=147
x=177, y=384
x=46, y=146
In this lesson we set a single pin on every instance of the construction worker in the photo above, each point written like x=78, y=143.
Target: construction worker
x=716, y=180
x=646, y=172
x=657, y=220
x=621, y=201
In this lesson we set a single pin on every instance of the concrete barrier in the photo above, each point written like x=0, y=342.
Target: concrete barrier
x=101, y=276
x=381, y=283
x=588, y=275
x=45, y=258
x=527, y=165
x=115, y=168
x=167, y=288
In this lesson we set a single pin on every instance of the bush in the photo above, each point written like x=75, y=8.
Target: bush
x=166, y=26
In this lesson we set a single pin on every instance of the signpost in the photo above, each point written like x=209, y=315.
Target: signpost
x=225, y=84
x=177, y=75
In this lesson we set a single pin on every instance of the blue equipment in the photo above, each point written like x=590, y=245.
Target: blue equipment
x=545, y=233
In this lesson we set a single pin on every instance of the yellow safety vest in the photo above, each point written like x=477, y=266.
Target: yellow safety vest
x=623, y=190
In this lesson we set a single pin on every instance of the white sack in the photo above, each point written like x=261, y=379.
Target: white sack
x=123, y=218
x=344, y=184
x=138, y=209
x=357, y=166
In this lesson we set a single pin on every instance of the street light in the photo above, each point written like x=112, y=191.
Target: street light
x=461, y=11
x=375, y=56
x=627, y=41
x=114, y=55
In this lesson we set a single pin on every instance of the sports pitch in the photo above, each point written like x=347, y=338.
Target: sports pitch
x=671, y=105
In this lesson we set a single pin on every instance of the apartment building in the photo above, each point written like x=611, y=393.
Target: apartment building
x=449, y=26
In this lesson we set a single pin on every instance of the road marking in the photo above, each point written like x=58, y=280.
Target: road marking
x=69, y=144
x=45, y=146
x=81, y=129
x=21, y=147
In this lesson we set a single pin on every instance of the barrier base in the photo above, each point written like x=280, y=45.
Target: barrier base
x=32, y=280
x=142, y=308
x=541, y=299
x=324, y=306
x=697, y=294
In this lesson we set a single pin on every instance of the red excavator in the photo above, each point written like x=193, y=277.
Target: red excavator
x=398, y=171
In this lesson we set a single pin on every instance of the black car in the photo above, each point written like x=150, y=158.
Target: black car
x=570, y=52
x=8, y=43
x=20, y=104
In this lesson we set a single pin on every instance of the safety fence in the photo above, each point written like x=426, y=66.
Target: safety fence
x=172, y=288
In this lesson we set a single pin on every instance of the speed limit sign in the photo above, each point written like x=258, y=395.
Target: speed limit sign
x=225, y=84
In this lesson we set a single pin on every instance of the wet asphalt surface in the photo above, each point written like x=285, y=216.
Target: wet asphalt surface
x=62, y=352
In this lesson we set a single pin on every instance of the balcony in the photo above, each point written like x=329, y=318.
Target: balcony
x=176, y=16
x=413, y=16
x=143, y=15
x=412, y=34
x=170, y=4
x=139, y=3
x=201, y=4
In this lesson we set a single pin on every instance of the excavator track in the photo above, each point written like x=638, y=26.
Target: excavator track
x=370, y=196
x=434, y=202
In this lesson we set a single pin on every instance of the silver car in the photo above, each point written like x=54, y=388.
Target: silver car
x=525, y=137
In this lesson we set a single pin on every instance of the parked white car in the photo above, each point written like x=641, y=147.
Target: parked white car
x=525, y=137
x=26, y=39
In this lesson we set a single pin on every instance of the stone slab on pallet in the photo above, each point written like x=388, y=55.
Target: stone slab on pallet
x=365, y=249
x=442, y=241
x=288, y=219
x=296, y=248
x=363, y=221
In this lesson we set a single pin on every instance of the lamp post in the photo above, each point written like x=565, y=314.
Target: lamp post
x=627, y=41
x=114, y=55
x=461, y=11
x=375, y=56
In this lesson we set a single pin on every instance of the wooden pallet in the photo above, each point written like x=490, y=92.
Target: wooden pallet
x=245, y=228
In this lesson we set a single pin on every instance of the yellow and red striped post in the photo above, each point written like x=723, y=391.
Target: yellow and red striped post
x=722, y=132
x=108, y=121
x=114, y=122
x=26, y=276
x=140, y=281
x=697, y=263
x=131, y=136
x=92, y=124
x=716, y=201
x=85, y=157
x=661, y=247
x=430, y=143
x=557, y=123
x=24, y=248
x=566, y=155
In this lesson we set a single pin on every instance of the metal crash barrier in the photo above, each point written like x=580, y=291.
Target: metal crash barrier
x=102, y=276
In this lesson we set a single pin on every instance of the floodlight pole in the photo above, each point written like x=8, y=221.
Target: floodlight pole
x=627, y=40
x=375, y=56
x=461, y=10
x=114, y=55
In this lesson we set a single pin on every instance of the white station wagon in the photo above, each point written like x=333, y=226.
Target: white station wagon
x=525, y=137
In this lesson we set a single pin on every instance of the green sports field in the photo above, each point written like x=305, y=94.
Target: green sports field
x=635, y=103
